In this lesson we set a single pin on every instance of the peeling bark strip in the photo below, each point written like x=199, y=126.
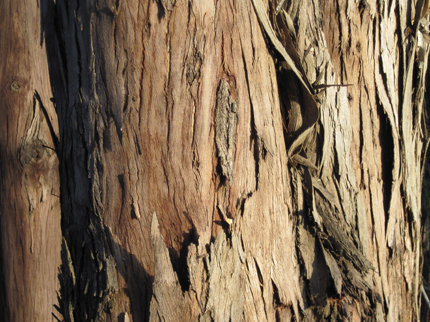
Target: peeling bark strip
x=168, y=301
x=267, y=26
x=225, y=129
x=216, y=282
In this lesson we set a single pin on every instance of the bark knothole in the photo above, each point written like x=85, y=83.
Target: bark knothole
x=225, y=128
x=15, y=87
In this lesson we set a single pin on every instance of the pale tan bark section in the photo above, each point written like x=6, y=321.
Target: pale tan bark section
x=29, y=178
x=377, y=142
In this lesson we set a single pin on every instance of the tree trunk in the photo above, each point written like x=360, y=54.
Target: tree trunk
x=209, y=169
x=29, y=177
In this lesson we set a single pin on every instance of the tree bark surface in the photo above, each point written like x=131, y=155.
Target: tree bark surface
x=205, y=177
x=171, y=114
x=29, y=177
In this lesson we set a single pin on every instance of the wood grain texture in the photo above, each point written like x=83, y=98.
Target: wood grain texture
x=29, y=177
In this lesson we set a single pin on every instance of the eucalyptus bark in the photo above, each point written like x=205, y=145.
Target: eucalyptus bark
x=202, y=175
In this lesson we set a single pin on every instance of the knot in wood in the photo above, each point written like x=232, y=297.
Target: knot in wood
x=32, y=152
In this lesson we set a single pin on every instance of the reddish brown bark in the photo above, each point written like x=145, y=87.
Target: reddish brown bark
x=202, y=177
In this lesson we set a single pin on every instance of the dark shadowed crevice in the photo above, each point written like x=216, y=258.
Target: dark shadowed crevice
x=387, y=147
x=179, y=261
x=3, y=307
x=387, y=155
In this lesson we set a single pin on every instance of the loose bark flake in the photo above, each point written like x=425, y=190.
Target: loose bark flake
x=216, y=282
x=225, y=296
x=168, y=302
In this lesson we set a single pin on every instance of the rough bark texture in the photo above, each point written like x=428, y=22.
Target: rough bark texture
x=204, y=178
x=29, y=178
x=172, y=108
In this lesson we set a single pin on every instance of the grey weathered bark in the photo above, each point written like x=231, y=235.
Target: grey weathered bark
x=202, y=178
